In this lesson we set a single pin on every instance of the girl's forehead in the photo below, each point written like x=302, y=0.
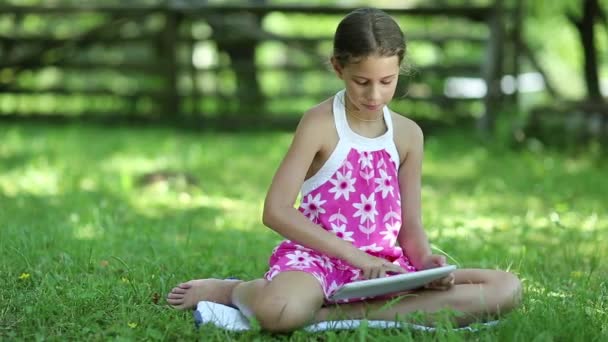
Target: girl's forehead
x=374, y=66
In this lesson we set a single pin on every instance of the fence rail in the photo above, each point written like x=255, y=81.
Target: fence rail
x=160, y=63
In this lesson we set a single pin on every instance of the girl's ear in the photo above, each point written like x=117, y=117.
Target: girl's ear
x=337, y=67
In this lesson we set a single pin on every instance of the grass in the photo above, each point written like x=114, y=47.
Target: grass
x=88, y=252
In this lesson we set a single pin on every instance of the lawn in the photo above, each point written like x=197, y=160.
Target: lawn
x=91, y=241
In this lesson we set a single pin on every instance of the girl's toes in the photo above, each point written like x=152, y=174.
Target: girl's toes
x=175, y=296
x=175, y=302
x=178, y=290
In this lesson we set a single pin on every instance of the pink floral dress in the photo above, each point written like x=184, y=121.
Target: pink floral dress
x=356, y=196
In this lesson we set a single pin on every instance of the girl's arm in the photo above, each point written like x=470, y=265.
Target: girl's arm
x=412, y=237
x=279, y=212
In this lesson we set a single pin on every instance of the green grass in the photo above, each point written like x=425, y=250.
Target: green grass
x=88, y=253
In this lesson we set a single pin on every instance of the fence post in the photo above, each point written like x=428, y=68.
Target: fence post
x=492, y=71
x=171, y=101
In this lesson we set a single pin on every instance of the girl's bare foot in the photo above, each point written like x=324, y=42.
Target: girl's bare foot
x=187, y=295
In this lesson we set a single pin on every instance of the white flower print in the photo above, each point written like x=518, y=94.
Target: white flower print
x=367, y=230
x=343, y=185
x=367, y=175
x=391, y=232
x=365, y=159
x=338, y=217
x=313, y=206
x=391, y=215
x=276, y=269
x=299, y=259
x=384, y=184
x=333, y=287
x=347, y=165
x=371, y=248
x=341, y=232
x=326, y=262
x=366, y=209
x=381, y=164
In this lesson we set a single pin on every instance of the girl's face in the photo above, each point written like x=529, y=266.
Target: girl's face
x=370, y=82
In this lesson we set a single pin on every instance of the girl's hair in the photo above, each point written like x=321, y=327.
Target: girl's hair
x=367, y=31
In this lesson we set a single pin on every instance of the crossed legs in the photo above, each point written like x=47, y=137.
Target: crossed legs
x=477, y=295
x=294, y=299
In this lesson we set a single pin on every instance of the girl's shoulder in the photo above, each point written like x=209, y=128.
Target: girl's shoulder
x=318, y=118
x=407, y=134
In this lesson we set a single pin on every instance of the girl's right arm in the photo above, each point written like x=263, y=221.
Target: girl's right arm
x=280, y=214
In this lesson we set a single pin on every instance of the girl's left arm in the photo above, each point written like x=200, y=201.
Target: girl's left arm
x=412, y=237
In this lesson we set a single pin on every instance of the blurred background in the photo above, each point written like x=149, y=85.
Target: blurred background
x=138, y=139
x=533, y=69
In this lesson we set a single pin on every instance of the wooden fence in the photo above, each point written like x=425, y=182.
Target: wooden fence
x=150, y=56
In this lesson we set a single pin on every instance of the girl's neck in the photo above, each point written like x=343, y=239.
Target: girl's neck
x=362, y=117
x=365, y=125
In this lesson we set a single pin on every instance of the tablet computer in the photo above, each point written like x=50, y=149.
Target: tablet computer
x=392, y=284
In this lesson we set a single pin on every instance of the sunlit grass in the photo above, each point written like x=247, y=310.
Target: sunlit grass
x=88, y=247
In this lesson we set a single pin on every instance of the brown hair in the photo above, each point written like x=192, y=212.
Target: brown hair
x=367, y=31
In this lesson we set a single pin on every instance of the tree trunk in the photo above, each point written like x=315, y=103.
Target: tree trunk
x=585, y=27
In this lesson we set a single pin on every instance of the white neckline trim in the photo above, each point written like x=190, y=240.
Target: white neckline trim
x=344, y=130
x=347, y=140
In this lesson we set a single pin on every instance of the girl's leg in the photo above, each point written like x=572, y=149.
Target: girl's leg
x=187, y=295
x=286, y=303
x=476, y=294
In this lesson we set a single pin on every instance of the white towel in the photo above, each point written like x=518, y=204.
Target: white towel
x=228, y=318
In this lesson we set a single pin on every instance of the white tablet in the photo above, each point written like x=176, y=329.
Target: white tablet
x=392, y=284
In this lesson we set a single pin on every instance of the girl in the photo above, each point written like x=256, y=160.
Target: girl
x=358, y=167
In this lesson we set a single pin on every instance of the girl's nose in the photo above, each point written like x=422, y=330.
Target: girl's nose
x=373, y=94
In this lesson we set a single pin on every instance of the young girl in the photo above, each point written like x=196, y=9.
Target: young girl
x=358, y=167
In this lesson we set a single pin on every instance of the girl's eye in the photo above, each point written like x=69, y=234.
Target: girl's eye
x=365, y=82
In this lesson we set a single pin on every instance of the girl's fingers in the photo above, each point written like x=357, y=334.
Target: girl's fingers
x=390, y=267
x=442, y=284
x=377, y=273
x=440, y=260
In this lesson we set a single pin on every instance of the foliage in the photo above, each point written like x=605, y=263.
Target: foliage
x=556, y=42
x=88, y=248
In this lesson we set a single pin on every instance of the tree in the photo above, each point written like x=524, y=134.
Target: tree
x=585, y=25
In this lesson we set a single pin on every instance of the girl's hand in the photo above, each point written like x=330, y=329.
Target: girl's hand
x=373, y=267
x=441, y=284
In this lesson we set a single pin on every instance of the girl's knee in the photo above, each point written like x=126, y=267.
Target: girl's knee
x=513, y=288
x=509, y=290
x=282, y=314
x=277, y=314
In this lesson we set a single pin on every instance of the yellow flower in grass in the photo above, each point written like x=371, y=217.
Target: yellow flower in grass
x=132, y=325
x=24, y=276
x=576, y=274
